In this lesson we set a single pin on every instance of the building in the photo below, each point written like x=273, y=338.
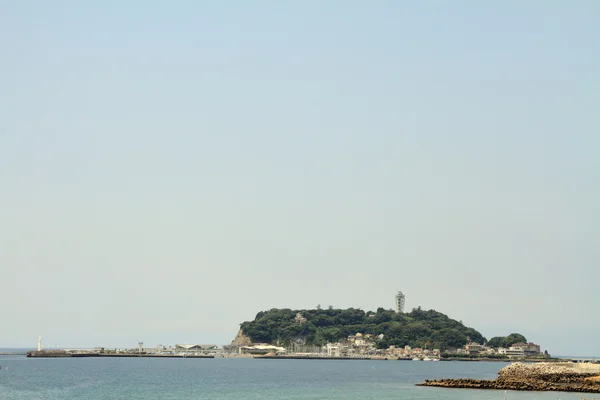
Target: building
x=532, y=349
x=474, y=348
x=514, y=352
x=196, y=348
x=359, y=340
x=300, y=318
x=528, y=349
x=334, y=349
x=262, y=349
x=400, y=302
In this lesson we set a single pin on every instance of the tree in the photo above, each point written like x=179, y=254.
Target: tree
x=514, y=338
x=474, y=336
x=496, y=342
x=419, y=328
x=448, y=338
x=383, y=316
x=323, y=320
x=506, y=341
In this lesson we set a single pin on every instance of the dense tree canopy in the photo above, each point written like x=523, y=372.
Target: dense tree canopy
x=418, y=328
x=506, y=341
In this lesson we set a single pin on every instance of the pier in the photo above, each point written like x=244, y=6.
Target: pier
x=292, y=357
x=67, y=354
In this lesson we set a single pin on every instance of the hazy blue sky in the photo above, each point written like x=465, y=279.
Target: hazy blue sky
x=170, y=168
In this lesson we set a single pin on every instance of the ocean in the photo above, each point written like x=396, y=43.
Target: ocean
x=24, y=378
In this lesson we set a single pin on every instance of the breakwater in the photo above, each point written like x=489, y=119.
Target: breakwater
x=566, y=377
x=145, y=355
x=83, y=354
x=48, y=353
x=267, y=357
x=63, y=353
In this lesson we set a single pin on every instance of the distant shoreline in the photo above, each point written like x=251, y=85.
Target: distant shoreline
x=64, y=354
x=90, y=354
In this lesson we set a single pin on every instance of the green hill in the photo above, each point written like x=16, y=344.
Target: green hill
x=418, y=328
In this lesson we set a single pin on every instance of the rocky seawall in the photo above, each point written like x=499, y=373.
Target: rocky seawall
x=530, y=377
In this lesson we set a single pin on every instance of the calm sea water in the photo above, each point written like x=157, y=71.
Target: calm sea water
x=177, y=379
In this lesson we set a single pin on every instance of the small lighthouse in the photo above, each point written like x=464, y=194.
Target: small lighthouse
x=39, y=343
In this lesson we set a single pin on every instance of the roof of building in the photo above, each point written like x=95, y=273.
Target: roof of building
x=264, y=347
x=196, y=346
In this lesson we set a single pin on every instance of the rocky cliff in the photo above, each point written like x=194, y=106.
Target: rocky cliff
x=241, y=339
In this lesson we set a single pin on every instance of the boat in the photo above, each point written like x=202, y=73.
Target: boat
x=416, y=359
x=426, y=358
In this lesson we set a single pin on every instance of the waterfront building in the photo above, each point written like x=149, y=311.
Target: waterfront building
x=515, y=352
x=334, y=349
x=359, y=340
x=474, y=348
x=528, y=349
x=400, y=298
x=195, y=347
x=262, y=349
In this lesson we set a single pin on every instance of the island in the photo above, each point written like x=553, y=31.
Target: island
x=415, y=335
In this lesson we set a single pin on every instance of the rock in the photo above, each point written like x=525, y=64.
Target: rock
x=241, y=339
x=538, y=377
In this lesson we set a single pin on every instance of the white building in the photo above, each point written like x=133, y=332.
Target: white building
x=334, y=349
x=515, y=352
x=400, y=302
x=198, y=348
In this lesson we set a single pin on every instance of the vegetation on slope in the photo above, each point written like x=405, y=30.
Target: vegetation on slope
x=507, y=341
x=418, y=328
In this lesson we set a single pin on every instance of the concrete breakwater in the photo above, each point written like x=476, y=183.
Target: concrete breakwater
x=63, y=353
x=144, y=355
x=565, y=377
x=48, y=353
x=82, y=354
x=275, y=357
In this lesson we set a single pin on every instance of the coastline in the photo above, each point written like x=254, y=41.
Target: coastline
x=266, y=357
x=95, y=354
x=558, y=377
x=507, y=360
x=64, y=354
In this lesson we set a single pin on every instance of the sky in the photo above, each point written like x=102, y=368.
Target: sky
x=169, y=169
